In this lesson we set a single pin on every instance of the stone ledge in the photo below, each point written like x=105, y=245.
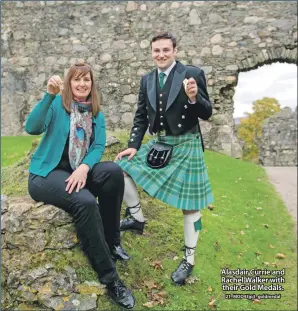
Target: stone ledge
x=40, y=258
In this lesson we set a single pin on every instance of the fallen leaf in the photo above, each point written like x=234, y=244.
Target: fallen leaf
x=163, y=294
x=247, y=226
x=256, y=301
x=266, y=225
x=191, y=279
x=212, y=303
x=271, y=246
x=128, y=244
x=175, y=258
x=148, y=304
x=217, y=246
x=209, y=289
x=258, y=253
x=157, y=265
x=150, y=284
x=266, y=263
x=280, y=256
x=242, y=232
x=259, y=208
x=211, y=207
x=240, y=254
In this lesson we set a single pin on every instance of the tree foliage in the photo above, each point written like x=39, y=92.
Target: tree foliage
x=250, y=127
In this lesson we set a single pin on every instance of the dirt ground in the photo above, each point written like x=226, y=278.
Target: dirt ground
x=285, y=181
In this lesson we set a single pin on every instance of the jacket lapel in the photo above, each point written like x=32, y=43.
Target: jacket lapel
x=151, y=88
x=178, y=78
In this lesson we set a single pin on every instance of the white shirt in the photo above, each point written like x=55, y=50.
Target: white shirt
x=167, y=72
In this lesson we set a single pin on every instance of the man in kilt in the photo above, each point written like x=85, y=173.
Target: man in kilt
x=171, y=99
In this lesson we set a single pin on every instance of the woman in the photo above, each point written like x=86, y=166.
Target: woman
x=64, y=171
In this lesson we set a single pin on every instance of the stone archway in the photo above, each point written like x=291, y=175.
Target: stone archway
x=221, y=135
x=222, y=37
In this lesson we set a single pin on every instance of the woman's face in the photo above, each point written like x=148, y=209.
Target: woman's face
x=81, y=86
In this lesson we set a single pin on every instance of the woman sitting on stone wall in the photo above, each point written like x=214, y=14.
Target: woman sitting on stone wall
x=65, y=172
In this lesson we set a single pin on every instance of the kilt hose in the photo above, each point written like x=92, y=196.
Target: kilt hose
x=183, y=183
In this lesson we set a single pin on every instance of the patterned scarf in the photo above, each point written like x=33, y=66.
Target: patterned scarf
x=80, y=131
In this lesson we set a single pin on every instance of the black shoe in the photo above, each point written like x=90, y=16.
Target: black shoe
x=120, y=294
x=119, y=253
x=182, y=272
x=131, y=224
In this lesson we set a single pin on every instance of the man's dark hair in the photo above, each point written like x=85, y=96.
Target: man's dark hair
x=165, y=35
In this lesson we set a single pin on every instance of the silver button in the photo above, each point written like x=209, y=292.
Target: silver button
x=133, y=134
x=160, y=102
x=185, y=106
x=160, y=109
x=135, y=128
x=161, y=123
x=161, y=116
x=179, y=125
x=160, y=95
x=131, y=139
x=183, y=117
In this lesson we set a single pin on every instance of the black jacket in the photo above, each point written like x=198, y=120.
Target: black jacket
x=181, y=116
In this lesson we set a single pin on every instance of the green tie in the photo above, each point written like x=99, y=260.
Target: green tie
x=161, y=79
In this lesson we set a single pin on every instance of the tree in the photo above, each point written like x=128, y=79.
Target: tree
x=250, y=127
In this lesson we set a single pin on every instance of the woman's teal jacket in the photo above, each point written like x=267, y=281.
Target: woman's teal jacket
x=50, y=117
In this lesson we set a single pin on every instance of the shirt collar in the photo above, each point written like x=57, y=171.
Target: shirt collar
x=167, y=72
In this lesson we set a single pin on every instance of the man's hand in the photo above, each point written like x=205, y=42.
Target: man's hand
x=77, y=179
x=192, y=90
x=130, y=152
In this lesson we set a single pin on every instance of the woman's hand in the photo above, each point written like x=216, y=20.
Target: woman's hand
x=55, y=85
x=77, y=179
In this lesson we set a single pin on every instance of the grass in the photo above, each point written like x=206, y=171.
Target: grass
x=14, y=148
x=246, y=229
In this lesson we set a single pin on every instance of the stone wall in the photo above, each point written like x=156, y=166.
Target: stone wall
x=278, y=144
x=42, y=38
x=39, y=245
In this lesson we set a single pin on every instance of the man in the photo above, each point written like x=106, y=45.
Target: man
x=171, y=99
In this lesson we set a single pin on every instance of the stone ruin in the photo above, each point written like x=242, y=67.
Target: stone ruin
x=37, y=241
x=222, y=37
x=278, y=144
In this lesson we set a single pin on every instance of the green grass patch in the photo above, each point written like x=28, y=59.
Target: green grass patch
x=248, y=226
x=14, y=148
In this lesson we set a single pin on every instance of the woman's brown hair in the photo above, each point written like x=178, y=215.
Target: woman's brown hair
x=78, y=70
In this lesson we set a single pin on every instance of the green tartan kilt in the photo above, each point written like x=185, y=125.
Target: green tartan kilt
x=183, y=183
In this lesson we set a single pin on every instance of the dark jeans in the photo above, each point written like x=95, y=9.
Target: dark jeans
x=97, y=224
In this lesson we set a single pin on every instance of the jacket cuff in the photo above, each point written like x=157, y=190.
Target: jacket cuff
x=134, y=145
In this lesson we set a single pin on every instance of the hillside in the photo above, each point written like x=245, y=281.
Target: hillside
x=247, y=228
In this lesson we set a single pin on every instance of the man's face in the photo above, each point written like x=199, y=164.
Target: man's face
x=163, y=53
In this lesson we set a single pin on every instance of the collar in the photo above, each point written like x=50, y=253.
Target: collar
x=167, y=72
